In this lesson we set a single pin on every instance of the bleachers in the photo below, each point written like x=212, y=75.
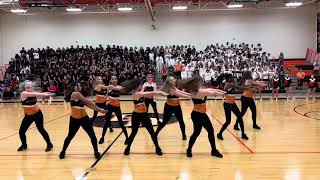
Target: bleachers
x=293, y=66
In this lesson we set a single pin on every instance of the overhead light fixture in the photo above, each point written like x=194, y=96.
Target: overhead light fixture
x=18, y=10
x=235, y=5
x=293, y=4
x=180, y=7
x=1, y=2
x=44, y=5
x=124, y=8
x=72, y=9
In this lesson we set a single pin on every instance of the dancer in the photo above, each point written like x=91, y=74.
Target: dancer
x=172, y=106
x=199, y=117
x=275, y=86
x=32, y=113
x=101, y=92
x=247, y=98
x=287, y=86
x=150, y=86
x=231, y=106
x=76, y=95
x=114, y=107
x=140, y=113
x=312, y=87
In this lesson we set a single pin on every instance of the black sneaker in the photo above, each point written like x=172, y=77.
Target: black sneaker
x=101, y=141
x=22, y=148
x=111, y=129
x=189, y=153
x=184, y=137
x=235, y=127
x=62, y=154
x=244, y=136
x=126, y=151
x=159, y=152
x=97, y=155
x=216, y=153
x=219, y=136
x=256, y=127
x=49, y=147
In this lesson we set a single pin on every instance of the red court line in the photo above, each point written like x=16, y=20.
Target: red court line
x=35, y=126
x=235, y=136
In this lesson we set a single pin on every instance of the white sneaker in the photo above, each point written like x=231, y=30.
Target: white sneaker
x=307, y=98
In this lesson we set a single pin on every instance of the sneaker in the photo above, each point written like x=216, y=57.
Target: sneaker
x=184, y=137
x=189, y=153
x=97, y=155
x=126, y=151
x=235, y=127
x=22, y=148
x=62, y=154
x=256, y=127
x=101, y=141
x=219, y=136
x=49, y=147
x=216, y=153
x=159, y=152
x=244, y=136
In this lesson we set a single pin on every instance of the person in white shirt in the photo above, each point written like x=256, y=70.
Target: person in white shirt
x=202, y=71
x=36, y=55
x=151, y=56
x=184, y=74
x=190, y=70
x=159, y=62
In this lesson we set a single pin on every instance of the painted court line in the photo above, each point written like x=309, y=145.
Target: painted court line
x=234, y=135
x=104, y=152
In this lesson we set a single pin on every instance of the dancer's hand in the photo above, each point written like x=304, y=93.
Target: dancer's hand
x=103, y=111
x=48, y=94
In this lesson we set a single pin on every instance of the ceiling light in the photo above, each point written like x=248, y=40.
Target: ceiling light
x=124, y=9
x=18, y=10
x=72, y=9
x=179, y=7
x=293, y=4
x=235, y=6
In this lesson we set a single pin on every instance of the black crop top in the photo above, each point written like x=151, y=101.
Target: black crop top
x=29, y=101
x=102, y=92
x=140, y=100
x=113, y=93
x=199, y=101
x=77, y=103
x=172, y=96
x=148, y=89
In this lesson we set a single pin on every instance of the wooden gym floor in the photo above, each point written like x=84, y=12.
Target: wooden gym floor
x=287, y=147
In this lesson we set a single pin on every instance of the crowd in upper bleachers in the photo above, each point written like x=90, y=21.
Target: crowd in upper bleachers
x=56, y=68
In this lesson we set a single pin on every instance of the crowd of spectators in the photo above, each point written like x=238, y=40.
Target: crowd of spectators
x=56, y=68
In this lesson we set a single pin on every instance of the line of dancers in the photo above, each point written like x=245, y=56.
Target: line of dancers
x=144, y=94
